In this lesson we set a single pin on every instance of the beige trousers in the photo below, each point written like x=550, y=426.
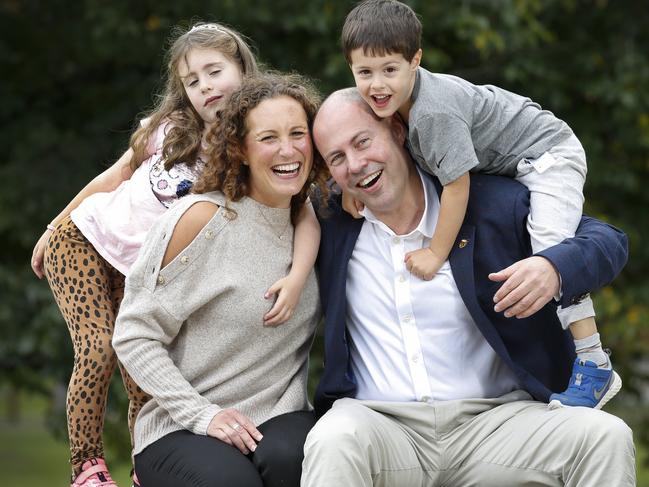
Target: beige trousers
x=508, y=441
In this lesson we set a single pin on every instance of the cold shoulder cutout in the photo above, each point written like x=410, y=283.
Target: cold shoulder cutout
x=188, y=227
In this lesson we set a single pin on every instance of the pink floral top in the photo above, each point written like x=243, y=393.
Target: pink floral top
x=116, y=223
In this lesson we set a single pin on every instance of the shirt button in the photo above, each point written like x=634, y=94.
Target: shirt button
x=396, y=240
x=407, y=318
x=402, y=278
x=184, y=259
x=415, y=358
x=425, y=398
x=161, y=280
x=209, y=234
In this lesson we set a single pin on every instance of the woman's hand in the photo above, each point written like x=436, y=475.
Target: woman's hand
x=233, y=428
x=288, y=290
x=39, y=252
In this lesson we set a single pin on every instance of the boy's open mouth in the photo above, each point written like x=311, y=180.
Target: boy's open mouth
x=381, y=100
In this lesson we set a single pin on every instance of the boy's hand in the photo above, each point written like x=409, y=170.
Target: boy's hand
x=352, y=205
x=423, y=263
x=288, y=292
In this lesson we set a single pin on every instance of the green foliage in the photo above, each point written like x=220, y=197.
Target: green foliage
x=76, y=74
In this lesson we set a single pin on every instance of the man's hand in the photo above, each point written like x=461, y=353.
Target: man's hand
x=236, y=429
x=529, y=285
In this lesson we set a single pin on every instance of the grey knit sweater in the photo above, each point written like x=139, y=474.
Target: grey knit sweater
x=191, y=334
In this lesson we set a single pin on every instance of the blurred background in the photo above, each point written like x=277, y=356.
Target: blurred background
x=75, y=76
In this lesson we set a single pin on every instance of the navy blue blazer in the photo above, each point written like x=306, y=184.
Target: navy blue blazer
x=537, y=349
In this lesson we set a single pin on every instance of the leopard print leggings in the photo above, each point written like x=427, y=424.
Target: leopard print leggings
x=88, y=291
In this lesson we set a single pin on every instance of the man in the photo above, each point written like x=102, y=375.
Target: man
x=425, y=383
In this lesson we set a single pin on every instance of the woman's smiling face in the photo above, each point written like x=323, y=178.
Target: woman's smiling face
x=278, y=150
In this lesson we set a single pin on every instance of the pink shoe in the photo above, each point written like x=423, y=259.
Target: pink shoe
x=94, y=473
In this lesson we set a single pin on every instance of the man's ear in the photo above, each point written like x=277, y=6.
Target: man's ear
x=416, y=59
x=398, y=128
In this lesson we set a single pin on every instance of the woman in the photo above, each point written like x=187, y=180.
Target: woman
x=229, y=403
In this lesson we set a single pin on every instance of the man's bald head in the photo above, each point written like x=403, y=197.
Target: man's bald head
x=334, y=110
x=345, y=95
x=335, y=104
x=367, y=158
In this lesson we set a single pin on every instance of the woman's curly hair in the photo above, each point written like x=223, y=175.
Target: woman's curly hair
x=225, y=170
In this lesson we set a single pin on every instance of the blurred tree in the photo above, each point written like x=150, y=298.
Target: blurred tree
x=76, y=75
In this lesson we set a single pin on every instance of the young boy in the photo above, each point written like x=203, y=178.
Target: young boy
x=455, y=127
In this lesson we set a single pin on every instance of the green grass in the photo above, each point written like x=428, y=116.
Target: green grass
x=642, y=459
x=31, y=457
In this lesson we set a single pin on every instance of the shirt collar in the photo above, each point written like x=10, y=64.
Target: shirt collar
x=428, y=222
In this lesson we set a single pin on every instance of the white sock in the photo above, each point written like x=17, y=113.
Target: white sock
x=590, y=348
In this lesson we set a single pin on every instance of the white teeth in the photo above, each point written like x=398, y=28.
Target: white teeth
x=287, y=167
x=367, y=180
x=381, y=97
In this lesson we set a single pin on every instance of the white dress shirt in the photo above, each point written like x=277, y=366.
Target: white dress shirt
x=414, y=340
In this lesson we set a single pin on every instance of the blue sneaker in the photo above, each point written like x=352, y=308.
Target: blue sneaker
x=589, y=386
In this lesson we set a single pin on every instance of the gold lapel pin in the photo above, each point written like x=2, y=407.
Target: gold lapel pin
x=463, y=243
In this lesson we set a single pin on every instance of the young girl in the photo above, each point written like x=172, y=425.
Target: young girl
x=89, y=247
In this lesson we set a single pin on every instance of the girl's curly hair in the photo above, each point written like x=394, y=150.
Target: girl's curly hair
x=182, y=142
x=225, y=170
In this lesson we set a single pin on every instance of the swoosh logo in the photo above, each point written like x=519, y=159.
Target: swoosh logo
x=439, y=163
x=598, y=394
